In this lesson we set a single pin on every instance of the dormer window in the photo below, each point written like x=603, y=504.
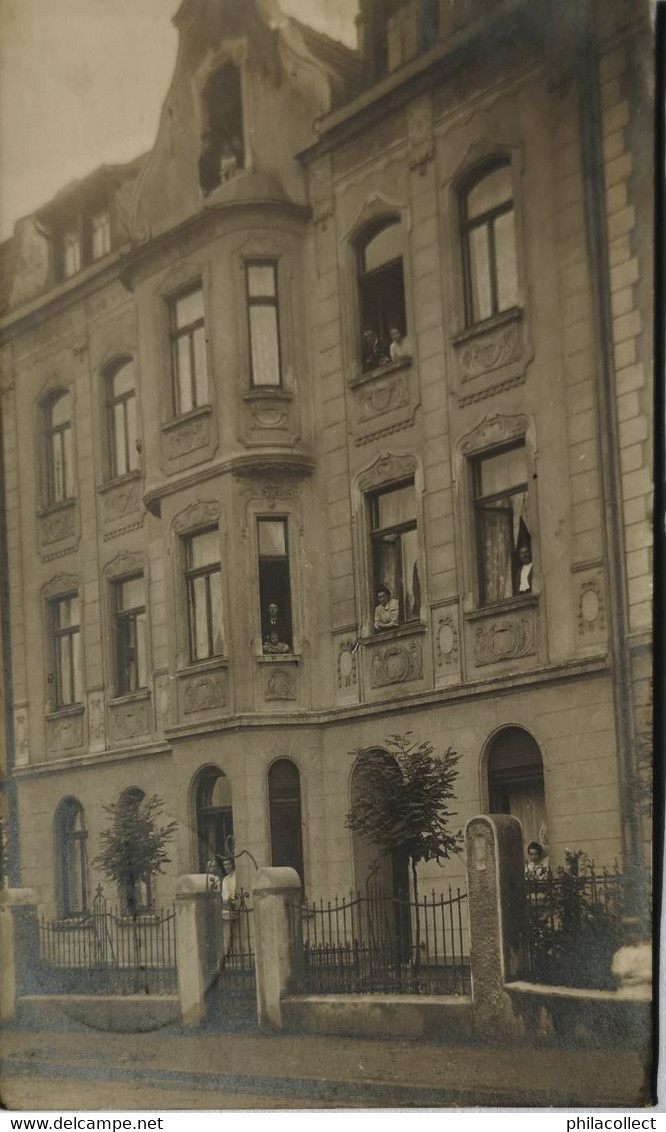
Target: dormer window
x=101, y=234
x=80, y=238
x=71, y=252
x=222, y=145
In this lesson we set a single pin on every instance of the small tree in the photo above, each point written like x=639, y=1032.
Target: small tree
x=403, y=803
x=134, y=845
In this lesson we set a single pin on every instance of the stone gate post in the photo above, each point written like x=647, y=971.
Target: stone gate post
x=497, y=921
x=193, y=947
x=17, y=945
x=278, y=939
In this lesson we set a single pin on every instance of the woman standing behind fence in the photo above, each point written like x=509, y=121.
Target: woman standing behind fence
x=229, y=905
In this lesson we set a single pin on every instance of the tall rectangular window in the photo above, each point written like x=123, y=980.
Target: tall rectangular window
x=100, y=234
x=188, y=347
x=489, y=245
x=204, y=594
x=264, y=321
x=121, y=415
x=504, y=542
x=66, y=643
x=274, y=586
x=395, y=555
x=58, y=437
x=130, y=627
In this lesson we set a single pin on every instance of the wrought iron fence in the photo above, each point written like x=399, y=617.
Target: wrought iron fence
x=375, y=943
x=105, y=952
x=575, y=924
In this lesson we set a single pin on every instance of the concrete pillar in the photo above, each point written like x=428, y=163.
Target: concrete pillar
x=193, y=949
x=278, y=940
x=18, y=943
x=497, y=921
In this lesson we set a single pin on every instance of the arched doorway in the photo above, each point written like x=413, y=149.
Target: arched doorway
x=214, y=815
x=284, y=803
x=514, y=769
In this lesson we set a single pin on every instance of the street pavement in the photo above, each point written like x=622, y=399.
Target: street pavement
x=176, y=1070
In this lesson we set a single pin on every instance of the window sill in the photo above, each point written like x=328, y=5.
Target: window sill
x=261, y=392
x=118, y=481
x=279, y=658
x=381, y=371
x=68, y=711
x=193, y=415
x=514, y=314
x=210, y=664
x=520, y=601
x=130, y=698
x=53, y=508
x=408, y=629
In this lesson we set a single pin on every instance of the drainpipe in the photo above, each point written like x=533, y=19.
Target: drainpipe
x=621, y=675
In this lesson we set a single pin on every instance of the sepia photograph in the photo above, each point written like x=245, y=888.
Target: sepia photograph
x=326, y=555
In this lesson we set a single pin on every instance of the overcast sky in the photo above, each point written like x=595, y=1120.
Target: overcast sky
x=82, y=83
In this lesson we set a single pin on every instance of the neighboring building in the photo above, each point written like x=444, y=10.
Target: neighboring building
x=361, y=322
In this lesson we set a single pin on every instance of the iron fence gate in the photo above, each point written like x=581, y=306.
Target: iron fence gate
x=104, y=952
x=379, y=944
x=232, y=1001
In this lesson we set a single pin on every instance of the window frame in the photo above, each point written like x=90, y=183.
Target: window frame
x=111, y=401
x=57, y=633
x=127, y=640
x=480, y=501
x=272, y=302
x=288, y=614
x=190, y=573
x=377, y=534
x=487, y=221
x=51, y=435
x=175, y=334
x=363, y=239
x=70, y=841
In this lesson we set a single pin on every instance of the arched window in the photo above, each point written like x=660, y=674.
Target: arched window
x=284, y=801
x=58, y=448
x=71, y=858
x=214, y=816
x=382, y=294
x=489, y=244
x=222, y=146
x=136, y=896
x=516, y=783
x=121, y=418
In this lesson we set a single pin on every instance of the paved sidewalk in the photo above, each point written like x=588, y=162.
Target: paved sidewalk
x=218, y=1071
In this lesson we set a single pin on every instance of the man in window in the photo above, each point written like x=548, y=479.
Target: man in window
x=373, y=352
x=387, y=613
x=272, y=642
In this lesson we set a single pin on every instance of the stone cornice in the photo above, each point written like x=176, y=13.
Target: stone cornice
x=247, y=464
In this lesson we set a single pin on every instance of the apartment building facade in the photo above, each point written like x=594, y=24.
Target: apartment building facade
x=329, y=419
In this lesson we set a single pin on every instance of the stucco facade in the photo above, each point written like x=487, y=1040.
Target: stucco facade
x=331, y=149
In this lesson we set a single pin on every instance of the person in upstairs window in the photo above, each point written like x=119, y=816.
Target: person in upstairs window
x=524, y=569
x=400, y=348
x=387, y=613
x=272, y=643
x=374, y=354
